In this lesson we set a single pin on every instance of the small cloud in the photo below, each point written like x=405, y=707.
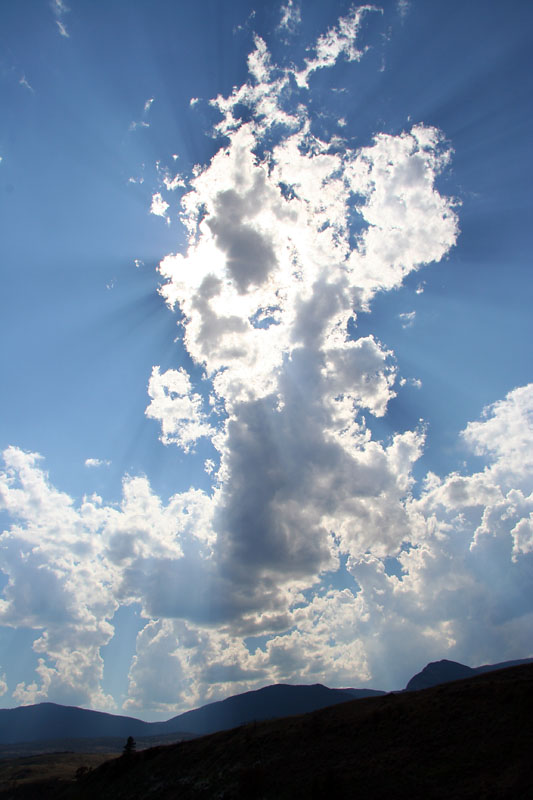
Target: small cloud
x=420, y=288
x=174, y=183
x=138, y=263
x=246, y=25
x=341, y=122
x=403, y=6
x=290, y=17
x=59, y=9
x=140, y=124
x=62, y=29
x=415, y=382
x=24, y=82
x=96, y=462
x=192, y=102
x=209, y=466
x=159, y=206
x=407, y=318
x=3, y=684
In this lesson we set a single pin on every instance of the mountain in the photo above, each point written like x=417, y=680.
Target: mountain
x=444, y=671
x=463, y=740
x=53, y=721
x=45, y=721
x=279, y=700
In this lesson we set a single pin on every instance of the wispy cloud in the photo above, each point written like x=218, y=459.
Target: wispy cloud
x=142, y=123
x=139, y=124
x=404, y=7
x=62, y=29
x=24, y=82
x=96, y=462
x=290, y=17
x=338, y=41
x=407, y=318
x=60, y=9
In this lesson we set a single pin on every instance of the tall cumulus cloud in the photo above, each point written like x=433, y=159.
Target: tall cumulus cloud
x=272, y=279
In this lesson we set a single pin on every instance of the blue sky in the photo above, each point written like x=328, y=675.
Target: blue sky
x=266, y=323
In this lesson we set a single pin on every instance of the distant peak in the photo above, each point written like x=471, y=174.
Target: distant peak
x=439, y=672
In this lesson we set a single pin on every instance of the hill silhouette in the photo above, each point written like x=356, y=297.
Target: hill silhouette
x=466, y=740
x=50, y=721
x=443, y=671
x=278, y=700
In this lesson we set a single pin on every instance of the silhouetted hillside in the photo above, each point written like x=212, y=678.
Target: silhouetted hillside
x=438, y=672
x=279, y=700
x=52, y=721
x=46, y=721
x=467, y=740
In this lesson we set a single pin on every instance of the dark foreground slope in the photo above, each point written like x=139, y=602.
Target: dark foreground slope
x=469, y=739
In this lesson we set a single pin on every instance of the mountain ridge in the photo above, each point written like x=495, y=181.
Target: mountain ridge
x=52, y=721
x=467, y=739
x=444, y=671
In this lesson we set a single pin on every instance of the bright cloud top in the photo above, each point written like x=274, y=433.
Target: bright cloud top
x=270, y=285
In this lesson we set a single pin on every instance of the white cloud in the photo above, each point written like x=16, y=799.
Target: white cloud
x=60, y=9
x=62, y=29
x=403, y=6
x=466, y=567
x=159, y=207
x=139, y=124
x=177, y=407
x=290, y=16
x=96, y=462
x=504, y=434
x=142, y=123
x=69, y=567
x=24, y=82
x=416, y=382
x=3, y=684
x=268, y=286
x=177, y=182
x=407, y=318
x=171, y=182
x=340, y=40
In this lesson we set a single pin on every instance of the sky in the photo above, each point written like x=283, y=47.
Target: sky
x=267, y=407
